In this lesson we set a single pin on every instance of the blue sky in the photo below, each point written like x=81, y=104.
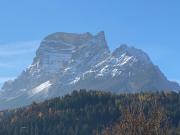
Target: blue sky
x=153, y=26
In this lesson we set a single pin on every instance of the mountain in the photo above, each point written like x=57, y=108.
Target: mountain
x=68, y=61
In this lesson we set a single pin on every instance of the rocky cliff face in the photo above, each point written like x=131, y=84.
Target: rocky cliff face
x=68, y=61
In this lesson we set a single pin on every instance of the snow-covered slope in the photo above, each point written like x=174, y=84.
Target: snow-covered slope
x=68, y=61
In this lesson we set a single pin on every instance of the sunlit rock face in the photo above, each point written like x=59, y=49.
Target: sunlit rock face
x=69, y=61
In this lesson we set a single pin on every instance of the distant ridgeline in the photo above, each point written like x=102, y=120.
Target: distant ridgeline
x=70, y=61
x=96, y=113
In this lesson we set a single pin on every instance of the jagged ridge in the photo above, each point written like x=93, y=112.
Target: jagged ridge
x=68, y=61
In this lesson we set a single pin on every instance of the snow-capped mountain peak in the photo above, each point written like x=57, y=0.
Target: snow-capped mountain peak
x=133, y=52
x=68, y=61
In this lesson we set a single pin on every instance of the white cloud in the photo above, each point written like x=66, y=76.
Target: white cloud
x=3, y=65
x=176, y=80
x=14, y=57
x=12, y=53
x=7, y=65
x=18, y=48
x=3, y=79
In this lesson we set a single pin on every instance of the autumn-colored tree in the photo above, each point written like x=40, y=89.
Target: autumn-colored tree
x=138, y=120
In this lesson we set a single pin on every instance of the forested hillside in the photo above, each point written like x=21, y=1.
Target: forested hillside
x=96, y=113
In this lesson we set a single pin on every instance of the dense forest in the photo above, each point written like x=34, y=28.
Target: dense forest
x=97, y=113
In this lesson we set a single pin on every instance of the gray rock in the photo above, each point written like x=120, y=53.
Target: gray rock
x=67, y=61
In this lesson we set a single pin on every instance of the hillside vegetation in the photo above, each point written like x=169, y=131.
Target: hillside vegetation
x=97, y=113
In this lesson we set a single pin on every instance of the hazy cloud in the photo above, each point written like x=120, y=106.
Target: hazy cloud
x=4, y=79
x=14, y=57
x=175, y=80
x=5, y=65
x=178, y=81
x=18, y=48
x=10, y=53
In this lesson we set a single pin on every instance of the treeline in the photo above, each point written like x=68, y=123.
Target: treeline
x=97, y=113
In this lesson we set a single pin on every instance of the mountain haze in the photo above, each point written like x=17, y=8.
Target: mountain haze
x=69, y=61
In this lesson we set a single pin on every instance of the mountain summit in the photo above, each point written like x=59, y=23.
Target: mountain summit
x=69, y=61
